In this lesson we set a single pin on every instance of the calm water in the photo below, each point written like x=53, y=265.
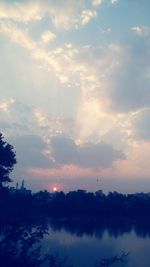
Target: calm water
x=85, y=247
x=82, y=242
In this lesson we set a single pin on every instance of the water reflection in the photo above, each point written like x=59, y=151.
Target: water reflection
x=97, y=229
x=87, y=242
x=20, y=246
x=17, y=245
x=23, y=245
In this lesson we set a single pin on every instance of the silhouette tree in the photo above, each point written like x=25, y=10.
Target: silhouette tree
x=20, y=245
x=7, y=161
x=109, y=261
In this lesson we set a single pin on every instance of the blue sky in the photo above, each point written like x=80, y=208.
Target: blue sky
x=75, y=92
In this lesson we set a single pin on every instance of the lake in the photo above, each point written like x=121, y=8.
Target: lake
x=82, y=242
x=84, y=247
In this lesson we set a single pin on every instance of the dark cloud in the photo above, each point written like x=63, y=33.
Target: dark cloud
x=29, y=150
x=64, y=150
x=131, y=82
x=98, y=155
x=142, y=125
x=87, y=155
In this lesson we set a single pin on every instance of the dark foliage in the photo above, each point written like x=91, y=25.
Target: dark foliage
x=110, y=261
x=20, y=202
x=82, y=204
x=20, y=247
x=7, y=161
x=76, y=205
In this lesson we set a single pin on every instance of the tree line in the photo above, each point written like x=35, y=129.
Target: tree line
x=74, y=204
x=78, y=204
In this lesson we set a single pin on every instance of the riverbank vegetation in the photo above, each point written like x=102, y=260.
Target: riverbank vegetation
x=23, y=213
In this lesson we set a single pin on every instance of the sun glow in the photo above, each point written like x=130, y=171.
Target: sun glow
x=54, y=189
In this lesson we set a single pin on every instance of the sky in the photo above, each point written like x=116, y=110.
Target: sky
x=75, y=93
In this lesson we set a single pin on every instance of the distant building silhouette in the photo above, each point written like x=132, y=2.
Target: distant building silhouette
x=21, y=190
x=17, y=186
x=22, y=187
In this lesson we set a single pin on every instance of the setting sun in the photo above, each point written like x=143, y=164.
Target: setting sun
x=54, y=189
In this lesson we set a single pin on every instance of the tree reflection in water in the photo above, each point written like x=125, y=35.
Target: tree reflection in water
x=20, y=244
x=97, y=228
x=20, y=247
x=108, y=262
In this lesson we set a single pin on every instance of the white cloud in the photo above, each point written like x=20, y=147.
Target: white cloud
x=52, y=125
x=141, y=31
x=48, y=37
x=3, y=106
x=22, y=38
x=63, y=14
x=87, y=15
x=103, y=77
x=23, y=12
x=114, y=1
x=96, y=2
x=17, y=35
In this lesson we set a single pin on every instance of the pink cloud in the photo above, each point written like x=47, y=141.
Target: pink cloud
x=66, y=171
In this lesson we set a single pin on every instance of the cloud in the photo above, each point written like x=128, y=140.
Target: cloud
x=129, y=81
x=5, y=104
x=62, y=155
x=87, y=15
x=17, y=35
x=141, y=125
x=64, y=149
x=60, y=60
x=52, y=125
x=81, y=68
x=63, y=14
x=22, y=38
x=48, y=37
x=141, y=31
x=114, y=1
x=18, y=118
x=96, y=2
x=30, y=151
x=98, y=155
x=115, y=78
x=86, y=155
x=21, y=12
